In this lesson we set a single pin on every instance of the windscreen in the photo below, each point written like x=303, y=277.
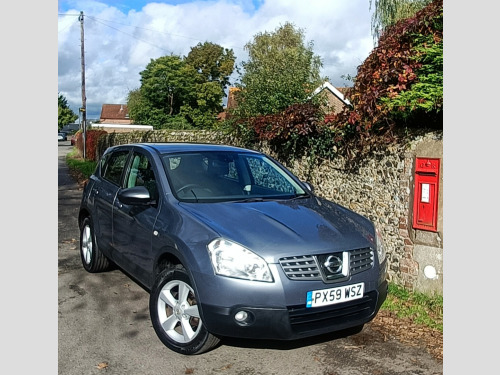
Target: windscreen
x=228, y=176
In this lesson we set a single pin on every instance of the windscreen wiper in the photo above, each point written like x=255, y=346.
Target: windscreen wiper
x=272, y=198
x=195, y=197
x=300, y=196
x=253, y=199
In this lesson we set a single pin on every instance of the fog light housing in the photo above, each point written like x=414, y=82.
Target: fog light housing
x=244, y=317
x=241, y=316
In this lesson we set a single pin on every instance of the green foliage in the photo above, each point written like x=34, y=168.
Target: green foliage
x=400, y=83
x=281, y=71
x=176, y=122
x=296, y=131
x=421, y=308
x=212, y=62
x=387, y=12
x=203, y=112
x=425, y=96
x=274, y=102
x=85, y=168
x=185, y=93
x=65, y=115
x=142, y=111
x=167, y=83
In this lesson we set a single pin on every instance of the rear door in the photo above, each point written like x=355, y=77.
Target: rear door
x=104, y=192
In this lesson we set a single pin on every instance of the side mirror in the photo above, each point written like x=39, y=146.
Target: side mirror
x=137, y=195
x=309, y=186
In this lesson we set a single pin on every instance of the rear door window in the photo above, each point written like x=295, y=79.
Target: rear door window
x=112, y=169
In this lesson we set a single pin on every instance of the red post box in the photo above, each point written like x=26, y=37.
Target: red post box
x=425, y=200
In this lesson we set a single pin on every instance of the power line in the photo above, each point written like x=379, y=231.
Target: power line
x=133, y=36
x=106, y=22
x=71, y=24
x=103, y=22
x=146, y=29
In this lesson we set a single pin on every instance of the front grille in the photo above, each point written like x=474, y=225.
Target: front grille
x=300, y=268
x=306, y=267
x=360, y=260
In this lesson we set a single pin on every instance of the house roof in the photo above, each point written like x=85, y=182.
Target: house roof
x=335, y=91
x=114, y=111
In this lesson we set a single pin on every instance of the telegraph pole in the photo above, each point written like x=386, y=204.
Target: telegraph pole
x=83, y=109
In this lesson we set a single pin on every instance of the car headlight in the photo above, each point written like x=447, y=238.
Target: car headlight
x=233, y=260
x=380, y=247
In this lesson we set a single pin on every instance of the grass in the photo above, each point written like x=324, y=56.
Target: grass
x=418, y=307
x=77, y=164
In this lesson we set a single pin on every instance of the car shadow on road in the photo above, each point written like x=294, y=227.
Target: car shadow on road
x=287, y=344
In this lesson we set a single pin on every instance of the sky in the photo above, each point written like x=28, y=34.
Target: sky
x=121, y=37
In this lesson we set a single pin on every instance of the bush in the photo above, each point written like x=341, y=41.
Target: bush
x=91, y=146
x=400, y=84
x=298, y=130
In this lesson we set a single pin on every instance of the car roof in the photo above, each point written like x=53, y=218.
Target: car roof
x=170, y=148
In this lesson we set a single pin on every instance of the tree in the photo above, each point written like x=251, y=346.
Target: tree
x=213, y=62
x=183, y=92
x=65, y=115
x=214, y=65
x=207, y=105
x=141, y=111
x=281, y=71
x=388, y=12
x=167, y=83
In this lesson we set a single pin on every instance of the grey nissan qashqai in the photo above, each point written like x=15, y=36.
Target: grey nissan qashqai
x=229, y=243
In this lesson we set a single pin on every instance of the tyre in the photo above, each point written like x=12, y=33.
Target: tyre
x=175, y=315
x=92, y=259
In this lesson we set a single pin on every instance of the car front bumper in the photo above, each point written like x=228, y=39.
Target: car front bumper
x=293, y=322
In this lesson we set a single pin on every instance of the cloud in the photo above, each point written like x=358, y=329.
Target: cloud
x=121, y=38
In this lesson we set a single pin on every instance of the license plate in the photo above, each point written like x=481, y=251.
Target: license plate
x=325, y=297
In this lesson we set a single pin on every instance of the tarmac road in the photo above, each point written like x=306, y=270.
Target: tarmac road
x=104, y=327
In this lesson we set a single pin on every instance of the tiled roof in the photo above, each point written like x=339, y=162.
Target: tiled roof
x=114, y=111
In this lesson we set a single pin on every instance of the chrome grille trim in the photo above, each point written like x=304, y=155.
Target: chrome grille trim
x=360, y=260
x=300, y=268
x=305, y=267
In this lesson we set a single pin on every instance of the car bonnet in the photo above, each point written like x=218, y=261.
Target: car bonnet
x=274, y=229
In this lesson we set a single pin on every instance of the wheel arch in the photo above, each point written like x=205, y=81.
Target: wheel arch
x=82, y=214
x=167, y=259
x=171, y=257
